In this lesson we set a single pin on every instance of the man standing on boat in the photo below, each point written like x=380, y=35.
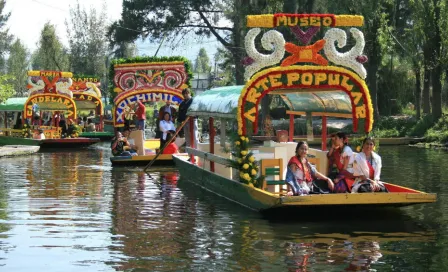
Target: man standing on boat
x=168, y=108
x=183, y=107
x=140, y=113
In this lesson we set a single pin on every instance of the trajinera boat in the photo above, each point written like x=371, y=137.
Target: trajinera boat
x=313, y=80
x=148, y=79
x=87, y=96
x=49, y=93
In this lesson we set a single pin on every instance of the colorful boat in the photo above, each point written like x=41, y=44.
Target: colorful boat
x=336, y=90
x=148, y=80
x=87, y=96
x=48, y=92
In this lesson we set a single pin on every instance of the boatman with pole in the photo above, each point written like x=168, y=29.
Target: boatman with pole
x=191, y=127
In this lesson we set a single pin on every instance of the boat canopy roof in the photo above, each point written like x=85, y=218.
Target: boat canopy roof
x=217, y=102
x=223, y=101
x=13, y=104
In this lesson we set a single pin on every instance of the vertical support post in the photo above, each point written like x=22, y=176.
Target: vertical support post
x=309, y=127
x=6, y=124
x=211, y=142
x=324, y=133
x=101, y=123
x=40, y=118
x=291, y=128
x=223, y=132
x=191, y=122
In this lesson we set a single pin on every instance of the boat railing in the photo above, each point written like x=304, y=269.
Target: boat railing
x=208, y=156
x=17, y=133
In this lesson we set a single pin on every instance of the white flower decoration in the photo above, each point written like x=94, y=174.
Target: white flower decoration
x=347, y=59
x=271, y=40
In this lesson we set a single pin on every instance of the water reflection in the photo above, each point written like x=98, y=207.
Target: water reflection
x=73, y=211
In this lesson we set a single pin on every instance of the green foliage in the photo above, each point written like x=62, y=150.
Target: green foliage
x=202, y=63
x=146, y=60
x=17, y=66
x=5, y=37
x=6, y=87
x=356, y=142
x=439, y=132
x=87, y=40
x=50, y=54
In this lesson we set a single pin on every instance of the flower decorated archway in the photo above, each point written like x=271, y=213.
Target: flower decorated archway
x=87, y=94
x=290, y=65
x=50, y=90
x=148, y=79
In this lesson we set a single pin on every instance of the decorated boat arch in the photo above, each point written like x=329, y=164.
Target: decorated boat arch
x=147, y=79
x=316, y=71
x=87, y=94
x=50, y=91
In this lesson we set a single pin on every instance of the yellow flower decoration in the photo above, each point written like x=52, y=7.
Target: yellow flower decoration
x=243, y=138
x=237, y=143
x=253, y=172
x=374, y=147
x=240, y=161
x=245, y=166
x=246, y=176
x=252, y=159
x=251, y=185
x=244, y=152
x=358, y=148
x=247, y=140
x=242, y=174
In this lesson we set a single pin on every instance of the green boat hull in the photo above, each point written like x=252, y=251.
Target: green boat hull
x=103, y=135
x=236, y=191
x=6, y=140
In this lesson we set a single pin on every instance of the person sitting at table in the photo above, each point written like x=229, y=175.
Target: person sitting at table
x=120, y=146
x=303, y=177
x=165, y=126
x=171, y=148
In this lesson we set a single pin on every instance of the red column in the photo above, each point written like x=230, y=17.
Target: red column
x=101, y=123
x=211, y=142
x=291, y=127
x=40, y=119
x=191, y=122
x=324, y=133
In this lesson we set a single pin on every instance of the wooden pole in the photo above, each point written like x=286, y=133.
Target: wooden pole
x=211, y=142
x=291, y=127
x=167, y=143
x=324, y=133
x=192, y=142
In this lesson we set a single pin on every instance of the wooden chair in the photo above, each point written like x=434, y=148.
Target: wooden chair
x=272, y=168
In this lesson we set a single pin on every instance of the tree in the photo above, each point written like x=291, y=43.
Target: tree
x=50, y=54
x=17, y=66
x=6, y=88
x=177, y=18
x=5, y=37
x=202, y=63
x=87, y=41
x=125, y=50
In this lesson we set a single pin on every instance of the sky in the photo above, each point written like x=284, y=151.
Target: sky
x=29, y=16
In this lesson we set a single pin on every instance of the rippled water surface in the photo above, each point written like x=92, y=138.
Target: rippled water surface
x=71, y=211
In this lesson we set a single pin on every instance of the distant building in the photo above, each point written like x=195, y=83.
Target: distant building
x=200, y=82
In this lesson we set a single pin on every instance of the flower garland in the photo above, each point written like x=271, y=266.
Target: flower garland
x=26, y=131
x=347, y=59
x=356, y=142
x=271, y=40
x=269, y=20
x=249, y=88
x=245, y=162
x=76, y=131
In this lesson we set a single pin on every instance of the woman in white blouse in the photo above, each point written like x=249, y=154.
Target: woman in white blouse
x=165, y=126
x=367, y=169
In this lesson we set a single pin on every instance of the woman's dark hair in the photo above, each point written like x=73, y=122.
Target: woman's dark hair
x=299, y=144
x=166, y=114
x=342, y=136
x=368, y=139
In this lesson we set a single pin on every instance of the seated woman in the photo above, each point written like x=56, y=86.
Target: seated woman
x=90, y=126
x=39, y=135
x=367, y=169
x=343, y=158
x=70, y=128
x=120, y=146
x=303, y=177
x=165, y=126
x=171, y=148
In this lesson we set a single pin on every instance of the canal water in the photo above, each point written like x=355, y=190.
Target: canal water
x=71, y=211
